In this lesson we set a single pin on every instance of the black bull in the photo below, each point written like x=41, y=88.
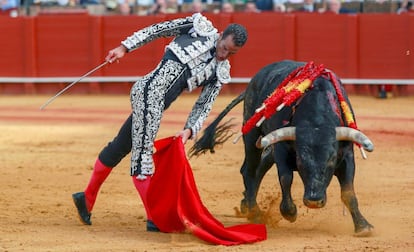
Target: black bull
x=312, y=142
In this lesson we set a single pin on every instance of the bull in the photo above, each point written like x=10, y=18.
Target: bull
x=313, y=134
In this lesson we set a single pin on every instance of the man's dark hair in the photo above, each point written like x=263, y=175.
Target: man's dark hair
x=239, y=34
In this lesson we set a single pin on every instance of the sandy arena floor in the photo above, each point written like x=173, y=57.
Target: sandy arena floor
x=47, y=155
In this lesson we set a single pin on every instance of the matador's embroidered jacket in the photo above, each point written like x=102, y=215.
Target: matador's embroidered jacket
x=194, y=45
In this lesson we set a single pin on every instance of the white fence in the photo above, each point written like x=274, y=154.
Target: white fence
x=23, y=80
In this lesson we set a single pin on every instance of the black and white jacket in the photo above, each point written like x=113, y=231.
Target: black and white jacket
x=195, y=38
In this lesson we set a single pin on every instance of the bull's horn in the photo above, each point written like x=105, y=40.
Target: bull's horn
x=282, y=134
x=350, y=134
x=342, y=134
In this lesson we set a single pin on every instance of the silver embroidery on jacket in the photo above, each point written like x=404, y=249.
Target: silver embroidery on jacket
x=223, y=71
x=203, y=26
x=193, y=50
x=196, y=24
x=200, y=73
x=147, y=113
x=155, y=31
x=202, y=108
x=195, y=53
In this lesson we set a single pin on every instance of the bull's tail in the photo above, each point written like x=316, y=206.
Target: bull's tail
x=213, y=134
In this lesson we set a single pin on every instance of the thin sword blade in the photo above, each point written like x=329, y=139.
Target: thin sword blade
x=70, y=85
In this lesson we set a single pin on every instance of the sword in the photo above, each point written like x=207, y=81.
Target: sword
x=70, y=85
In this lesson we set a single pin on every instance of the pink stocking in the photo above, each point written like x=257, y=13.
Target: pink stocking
x=99, y=175
x=142, y=188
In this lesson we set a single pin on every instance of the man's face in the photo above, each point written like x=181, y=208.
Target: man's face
x=225, y=48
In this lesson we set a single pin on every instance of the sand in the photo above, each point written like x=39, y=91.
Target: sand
x=47, y=155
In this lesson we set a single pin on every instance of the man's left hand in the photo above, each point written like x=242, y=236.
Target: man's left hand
x=184, y=134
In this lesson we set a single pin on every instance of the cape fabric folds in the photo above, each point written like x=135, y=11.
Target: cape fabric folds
x=175, y=205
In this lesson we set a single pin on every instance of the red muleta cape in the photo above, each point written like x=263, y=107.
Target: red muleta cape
x=175, y=205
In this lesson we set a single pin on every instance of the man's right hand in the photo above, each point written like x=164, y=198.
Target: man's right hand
x=115, y=54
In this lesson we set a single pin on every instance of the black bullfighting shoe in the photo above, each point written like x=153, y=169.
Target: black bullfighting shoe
x=151, y=226
x=80, y=203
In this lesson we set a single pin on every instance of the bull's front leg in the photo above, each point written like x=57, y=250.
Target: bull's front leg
x=249, y=196
x=287, y=207
x=284, y=165
x=248, y=205
x=361, y=225
x=345, y=175
x=248, y=170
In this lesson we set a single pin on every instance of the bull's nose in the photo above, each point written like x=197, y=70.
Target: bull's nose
x=315, y=203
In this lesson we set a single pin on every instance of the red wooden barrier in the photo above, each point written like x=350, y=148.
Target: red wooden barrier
x=329, y=39
x=384, y=42
x=354, y=46
x=271, y=38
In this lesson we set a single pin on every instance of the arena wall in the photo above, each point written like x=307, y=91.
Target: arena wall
x=357, y=46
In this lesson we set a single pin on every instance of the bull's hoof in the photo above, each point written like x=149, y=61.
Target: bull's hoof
x=290, y=218
x=365, y=231
x=288, y=211
x=252, y=213
x=244, y=209
x=256, y=216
